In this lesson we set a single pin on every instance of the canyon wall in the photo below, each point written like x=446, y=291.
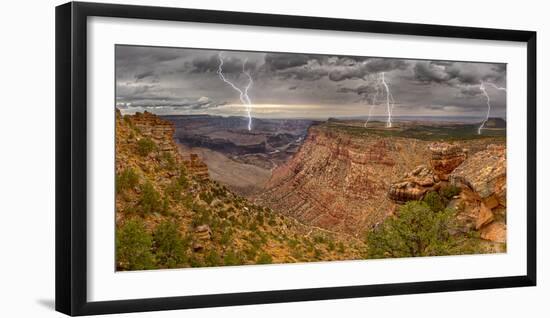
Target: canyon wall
x=339, y=181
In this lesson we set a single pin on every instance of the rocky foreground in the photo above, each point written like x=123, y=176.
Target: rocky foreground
x=480, y=179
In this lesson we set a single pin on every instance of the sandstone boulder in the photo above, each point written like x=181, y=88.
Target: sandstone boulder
x=198, y=246
x=495, y=232
x=484, y=217
x=414, y=185
x=203, y=232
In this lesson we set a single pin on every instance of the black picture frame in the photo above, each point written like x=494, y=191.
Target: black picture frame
x=71, y=157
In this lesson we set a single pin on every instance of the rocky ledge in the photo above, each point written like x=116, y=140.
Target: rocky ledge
x=161, y=133
x=414, y=185
x=485, y=174
x=481, y=179
x=445, y=158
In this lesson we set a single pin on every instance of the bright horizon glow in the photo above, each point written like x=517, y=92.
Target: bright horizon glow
x=319, y=112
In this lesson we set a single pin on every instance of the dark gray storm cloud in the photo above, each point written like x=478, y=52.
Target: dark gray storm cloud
x=458, y=73
x=365, y=68
x=282, y=61
x=180, y=80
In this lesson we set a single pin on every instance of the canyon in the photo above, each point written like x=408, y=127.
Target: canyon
x=337, y=175
x=299, y=190
x=169, y=208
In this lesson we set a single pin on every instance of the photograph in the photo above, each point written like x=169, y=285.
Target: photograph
x=227, y=157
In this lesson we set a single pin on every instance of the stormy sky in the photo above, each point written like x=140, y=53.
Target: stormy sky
x=289, y=85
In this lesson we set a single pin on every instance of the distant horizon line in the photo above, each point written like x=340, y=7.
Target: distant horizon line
x=359, y=117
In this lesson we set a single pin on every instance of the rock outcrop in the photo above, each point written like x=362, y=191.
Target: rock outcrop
x=481, y=204
x=445, y=158
x=152, y=126
x=161, y=132
x=495, y=232
x=483, y=175
x=413, y=185
x=196, y=166
x=201, y=235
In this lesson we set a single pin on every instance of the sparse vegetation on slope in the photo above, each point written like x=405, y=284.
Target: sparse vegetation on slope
x=170, y=216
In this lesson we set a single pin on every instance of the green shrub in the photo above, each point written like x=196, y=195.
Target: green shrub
x=145, y=146
x=169, y=245
x=222, y=213
x=128, y=121
x=219, y=191
x=133, y=246
x=434, y=201
x=253, y=226
x=251, y=252
x=201, y=216
x=187, y=201
x=173, y=190
x=260, y=219
x=417, y=231
x=206, y=197
x=319, y=239
x=231, y=258
x=183, y=177
x=341, y=247
x=226, y=237
x=168, y=161
x=263, y=237
x=264, y=258
x=126, y=179
x=297, y=254
x=195, y=261
x=150, y=200
x=212, y=258
x=317, y=253
x=450, y=191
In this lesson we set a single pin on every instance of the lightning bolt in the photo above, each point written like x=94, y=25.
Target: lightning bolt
x=483, y=90
x=372, y=105
x=389, y=100
x=246, y=97
x=497, y=87
x=243, y=95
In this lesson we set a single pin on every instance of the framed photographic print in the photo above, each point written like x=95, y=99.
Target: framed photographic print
x=208, y=158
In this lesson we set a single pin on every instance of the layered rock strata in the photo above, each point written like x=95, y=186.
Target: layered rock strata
x=338, y=180
x=161, y=132
x=485, y=174
x=445, y=158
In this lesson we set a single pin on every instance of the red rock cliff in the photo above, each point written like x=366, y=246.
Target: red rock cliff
x=339, y=181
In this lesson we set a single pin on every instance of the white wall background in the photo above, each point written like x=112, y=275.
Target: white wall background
x=27, y=158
